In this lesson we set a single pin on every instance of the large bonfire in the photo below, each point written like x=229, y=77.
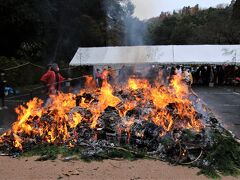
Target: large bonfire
x=167, y=107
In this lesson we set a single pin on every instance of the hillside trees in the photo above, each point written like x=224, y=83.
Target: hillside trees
x=196, y=26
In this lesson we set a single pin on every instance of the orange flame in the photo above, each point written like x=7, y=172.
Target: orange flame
x=54, y=122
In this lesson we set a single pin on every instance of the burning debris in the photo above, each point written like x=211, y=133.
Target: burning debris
x=155, y=121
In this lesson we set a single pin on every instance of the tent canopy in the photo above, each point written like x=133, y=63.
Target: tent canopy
x=173, y=54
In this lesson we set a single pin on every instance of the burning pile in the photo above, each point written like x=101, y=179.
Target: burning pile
x=135, y=112
x=159, y=121
x=118, y=110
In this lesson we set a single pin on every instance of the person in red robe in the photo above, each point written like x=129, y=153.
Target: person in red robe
x=53, y=79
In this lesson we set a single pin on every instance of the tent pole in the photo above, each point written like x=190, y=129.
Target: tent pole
x=173, y=53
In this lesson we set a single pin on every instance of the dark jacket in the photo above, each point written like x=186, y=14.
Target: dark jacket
x=2, y=87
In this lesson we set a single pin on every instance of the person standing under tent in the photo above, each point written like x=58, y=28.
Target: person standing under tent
x=98, y=78
x=173, y=72
x=178, y=70
x=162, y=75
x=105, y=75
x=187, y=76
x=111, y=75
x=220, y=74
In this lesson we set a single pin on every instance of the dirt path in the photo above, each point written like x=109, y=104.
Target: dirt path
x=28, y=168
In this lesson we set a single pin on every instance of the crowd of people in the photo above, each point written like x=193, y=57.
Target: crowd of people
x=207, y=75
x=217, y=75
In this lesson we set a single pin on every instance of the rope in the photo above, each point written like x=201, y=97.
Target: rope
x=80, y=77
x=16, y=67
x=41, y=67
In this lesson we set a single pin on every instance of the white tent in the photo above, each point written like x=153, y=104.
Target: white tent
x=173, y=54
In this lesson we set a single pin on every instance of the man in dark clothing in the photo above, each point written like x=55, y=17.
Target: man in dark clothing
x=98, y=78
x=173, y=72
x=2, y=88
x=220, y=74
x=205, y=75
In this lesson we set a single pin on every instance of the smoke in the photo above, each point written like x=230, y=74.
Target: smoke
x=120, y=21
x=134, y=31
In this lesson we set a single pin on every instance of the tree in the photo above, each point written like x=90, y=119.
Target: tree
x=160, y=32
x=22, y=26
x=118, y=18
x=194, y=26
x=236, y=11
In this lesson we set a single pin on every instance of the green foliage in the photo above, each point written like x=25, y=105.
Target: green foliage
x=167, y=141
x=51, y=152
x=188, y=135
x=223, y=157
x=192, y=25
x=210, y=173
x=47, y=152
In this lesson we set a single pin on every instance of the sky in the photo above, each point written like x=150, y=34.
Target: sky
x=151, y=8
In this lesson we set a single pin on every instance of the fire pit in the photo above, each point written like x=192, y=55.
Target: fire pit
x=139, y=119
